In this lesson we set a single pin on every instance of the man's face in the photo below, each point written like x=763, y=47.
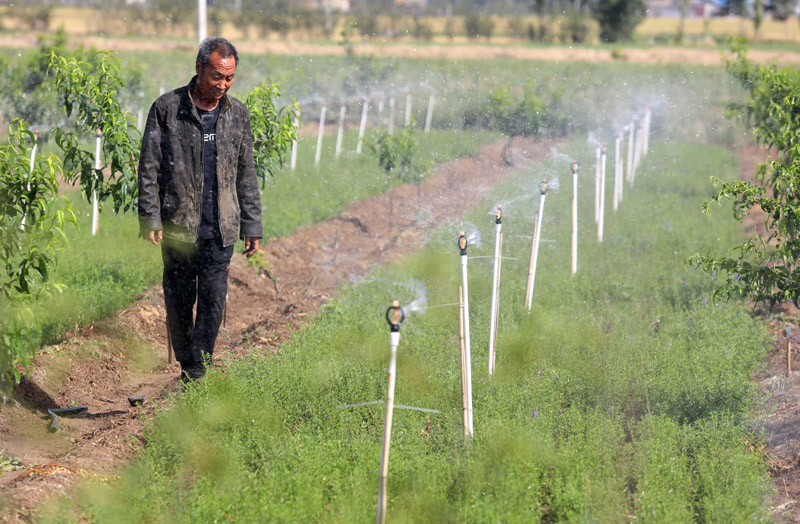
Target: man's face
x=214, y=80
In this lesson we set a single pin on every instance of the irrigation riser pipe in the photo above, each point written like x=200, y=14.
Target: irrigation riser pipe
x=340, y=132
x=464, y=388
x=318, y=154
x=631, y=135
x=95, y=206
x=617, y=171
x=497, y=307
x=498, y=228
x=408, y=109
x=601, y=216
x=574, y=259
x=293, y=162
x=467, y=346
x=390, y=126
x=362, y=126
x=597, y=185
x=537, y=232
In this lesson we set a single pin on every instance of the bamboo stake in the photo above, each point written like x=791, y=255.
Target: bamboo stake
x=600, y=218
x=462, y=244
x=464, y=392
x=498, y=227
x=340, y=133
x=574, y=260
x=788, y=357
x=429, y=115
x=363, y=126
x=293, y=163
x=318, y=154
x=597, y=185
x=537, y=232
x=95, y=207
x=497, y=305
x=394, y=315
x=632, y=133
x=617, y=170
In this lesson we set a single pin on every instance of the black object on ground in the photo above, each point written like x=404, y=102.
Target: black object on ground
x=54, y=413
x=136, y=400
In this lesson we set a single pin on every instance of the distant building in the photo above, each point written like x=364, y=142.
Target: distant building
x=342, y=6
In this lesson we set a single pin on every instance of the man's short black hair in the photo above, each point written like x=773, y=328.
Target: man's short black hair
x=218, y=44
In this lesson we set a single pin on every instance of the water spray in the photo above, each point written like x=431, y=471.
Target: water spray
x=617, y=170
x=537, y=232
x=322, y=114
x=390, y=127
x=395, y=317
x=462, y=247
x=408, y=109
x=498, y=250
x=95, y=207
x=363, y=126
x=293, y=163
x=574, y=261
x=602, y=193
x=429, y=115
x=340, y=132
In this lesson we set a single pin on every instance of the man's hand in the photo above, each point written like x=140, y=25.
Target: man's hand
x=250, y=246
x=156, y=237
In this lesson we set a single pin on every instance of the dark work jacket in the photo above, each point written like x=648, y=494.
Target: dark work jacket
x=171, y=170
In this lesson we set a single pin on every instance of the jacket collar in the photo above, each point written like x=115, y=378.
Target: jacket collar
x=224, y=102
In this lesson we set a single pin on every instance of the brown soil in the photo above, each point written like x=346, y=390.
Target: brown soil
x=102, y=365
x=477, y=51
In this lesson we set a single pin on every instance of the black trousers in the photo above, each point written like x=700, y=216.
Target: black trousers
x=195, y=272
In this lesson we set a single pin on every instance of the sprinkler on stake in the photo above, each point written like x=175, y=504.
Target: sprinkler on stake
x=340, y=133
x=95, y=208
x=537, y=232
x=602, y=193
x=462, y=248
x=574, y=264
x=322, y=113
x=498, y=246
x=395, y=317
x=363, y=126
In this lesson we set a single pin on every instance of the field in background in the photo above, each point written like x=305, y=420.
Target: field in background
x=625, y=392
x=507, y=30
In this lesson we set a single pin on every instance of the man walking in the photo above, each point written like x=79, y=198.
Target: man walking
x=198, y=192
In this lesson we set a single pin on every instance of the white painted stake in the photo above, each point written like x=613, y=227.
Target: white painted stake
x=363, y=126
x=293, y=163
x=202, y=18
x=394, y=315
x=632, y=131
x=390, y=127
x=429, y=115
x=637, y=150
x=95, y=208
x=322, y=114
x=602, y=194
x=597, y=185
x=498, y=229
x=408, y=108
x=646, y=126
x=464, y=396
x=537, y=234
x=340, y=134
x=574, y=264
x=617, y=170
x=462, y=244
x=32, y=164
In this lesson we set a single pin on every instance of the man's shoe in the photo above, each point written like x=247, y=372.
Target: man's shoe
x=193, y=373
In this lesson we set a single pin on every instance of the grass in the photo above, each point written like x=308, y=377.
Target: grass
x=105, y=273
x=622, y=395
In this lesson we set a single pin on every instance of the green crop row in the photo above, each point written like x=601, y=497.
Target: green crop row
x=622, y=395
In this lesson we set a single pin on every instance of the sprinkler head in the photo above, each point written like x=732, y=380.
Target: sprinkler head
x=462, y=243
x=499, y=214
x=35, y=136
x=98, y=133
x=395, y=316
x=543, y=186
x=603, y=151
x=574, y=167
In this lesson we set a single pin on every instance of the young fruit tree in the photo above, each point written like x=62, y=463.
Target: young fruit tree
x=397, y=157
x=766, y=267
x=32, y=220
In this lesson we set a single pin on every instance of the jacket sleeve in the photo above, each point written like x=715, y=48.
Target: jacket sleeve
x=149, y=165
x=247, y=189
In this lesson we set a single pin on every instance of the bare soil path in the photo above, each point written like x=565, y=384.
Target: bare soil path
x=102, y=365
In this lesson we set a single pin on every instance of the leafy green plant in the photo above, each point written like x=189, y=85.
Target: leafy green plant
x=274, y=129
x=92, y=93
x=766, y=268
x=397, y=157
x=32, y=220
